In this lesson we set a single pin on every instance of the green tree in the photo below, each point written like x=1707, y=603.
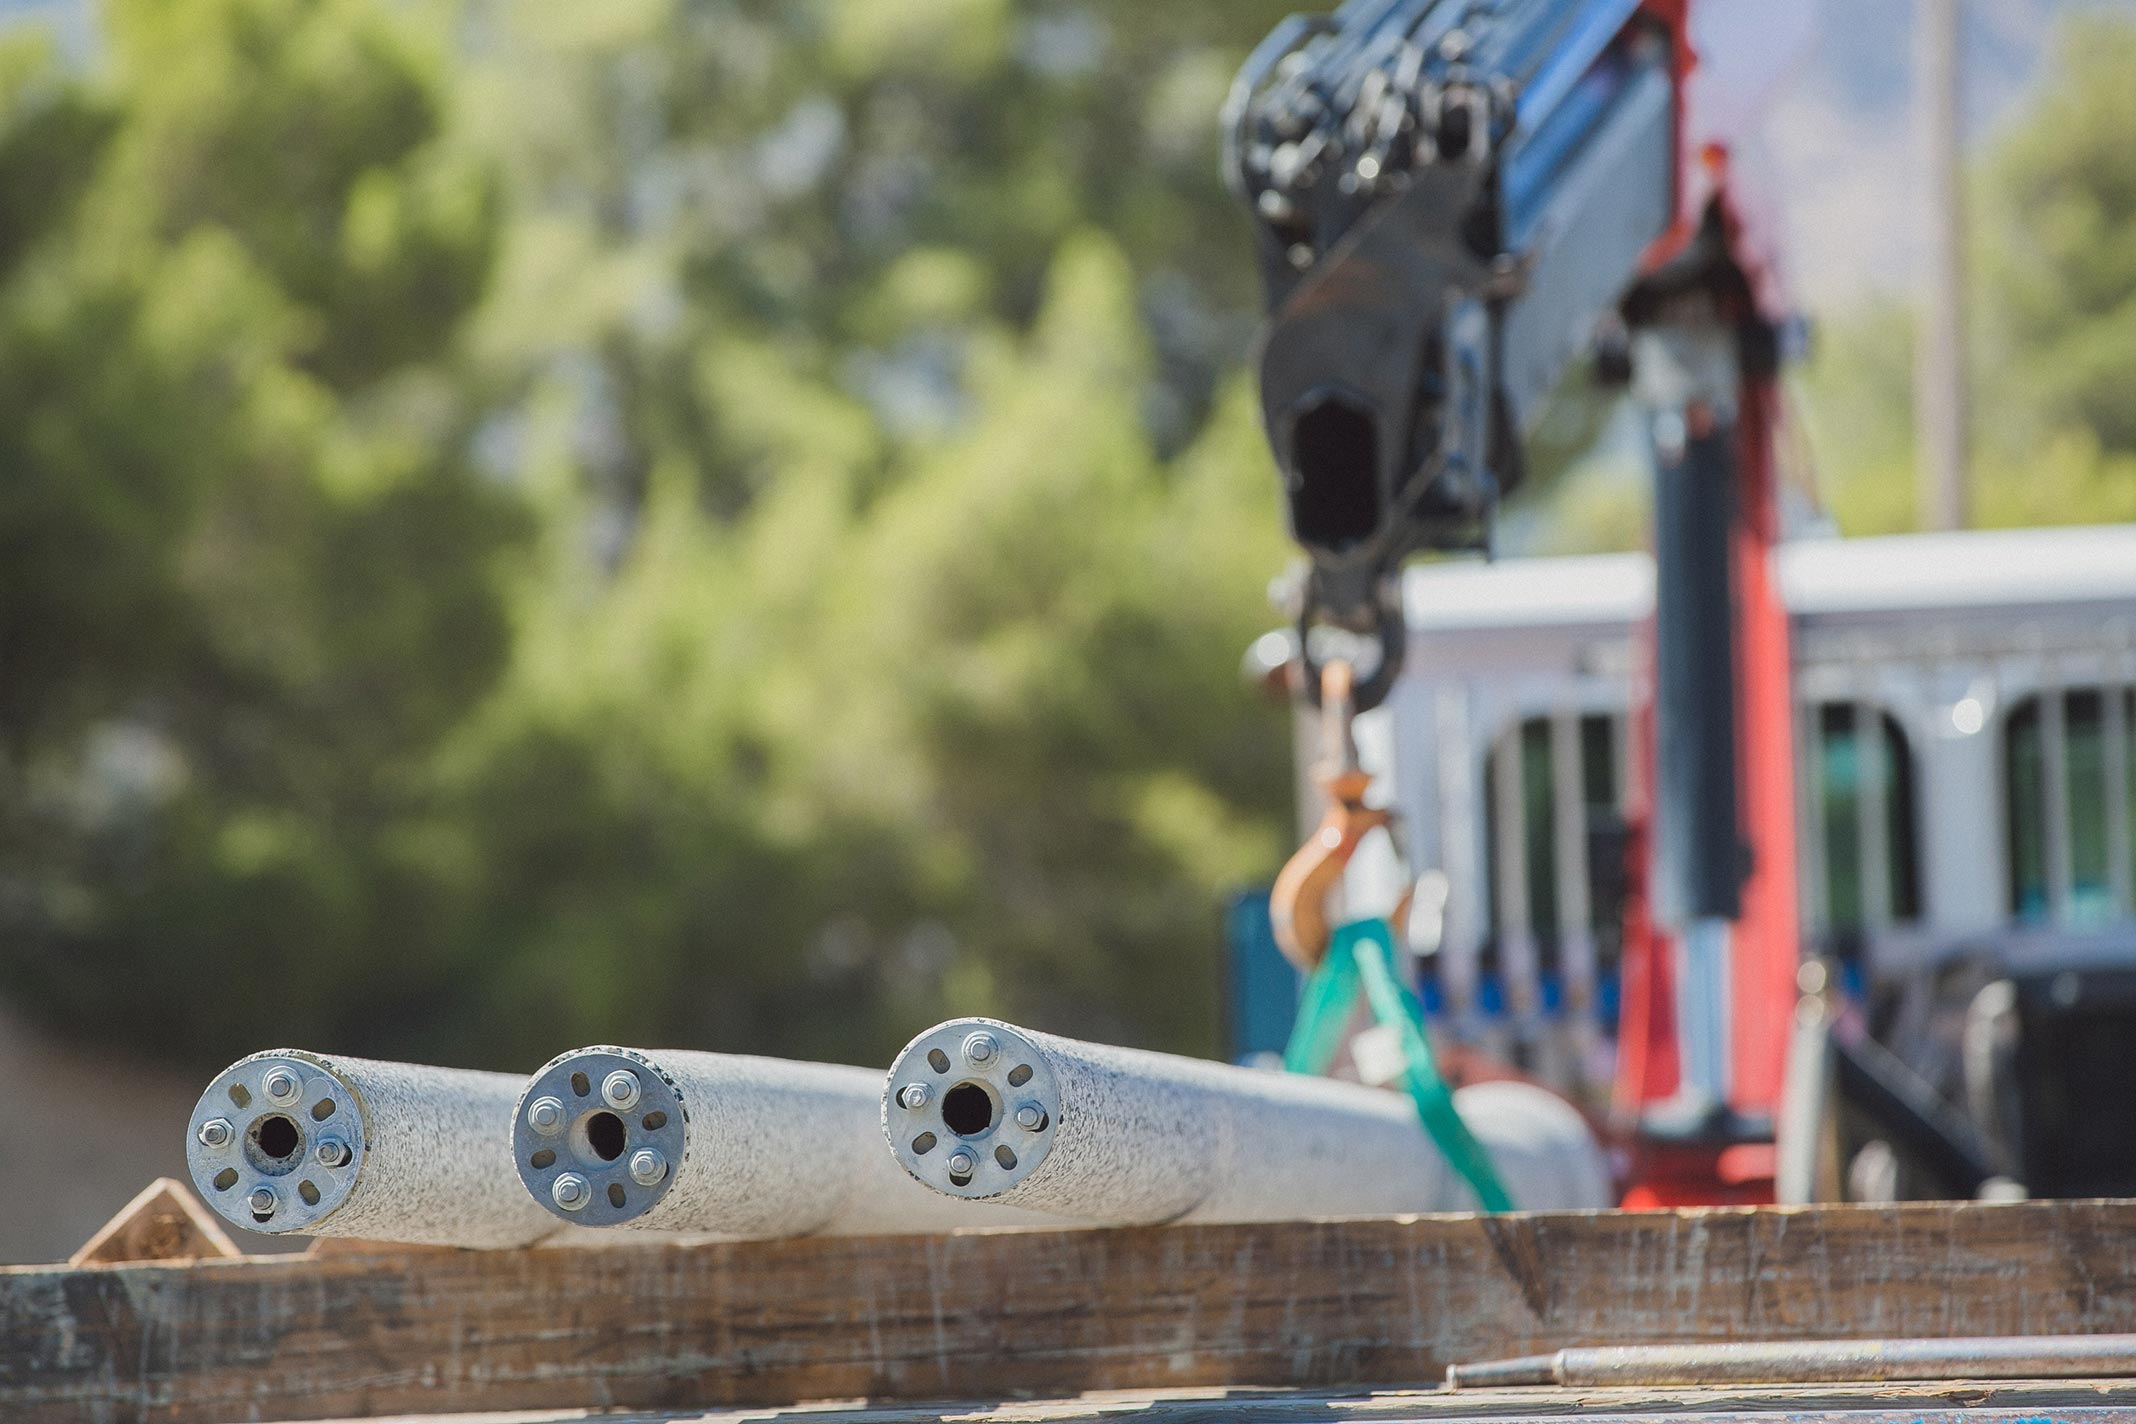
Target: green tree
x=2054, y=307
x=725, y=523
x=252, y=577
x=882, y=350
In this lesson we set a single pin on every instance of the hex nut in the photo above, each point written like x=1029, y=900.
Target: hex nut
x=647, y=1167
x=621, y=1090
x=281, y=1087
x=546, y=1115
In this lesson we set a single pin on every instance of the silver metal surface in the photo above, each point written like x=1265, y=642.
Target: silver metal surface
x=1122, y=1136
x=1813, y=1362
x=717, y=1144
x=354, y=1147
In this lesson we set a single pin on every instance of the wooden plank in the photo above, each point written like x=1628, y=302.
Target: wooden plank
x=1007, y=1315
x=1967, y=1402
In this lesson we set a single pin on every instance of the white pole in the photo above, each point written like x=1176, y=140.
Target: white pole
x=718, y=1144
x=294, y=1142
x=1575, y=905
x=1121, y=1136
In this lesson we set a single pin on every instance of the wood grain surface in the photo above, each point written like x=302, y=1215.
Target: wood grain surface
x=1026, y=1314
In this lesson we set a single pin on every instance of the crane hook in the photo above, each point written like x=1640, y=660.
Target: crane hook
x=1298, y=902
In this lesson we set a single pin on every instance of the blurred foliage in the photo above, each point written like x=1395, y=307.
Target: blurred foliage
x=717, y=522
x=2053, y=320
x=712, y=523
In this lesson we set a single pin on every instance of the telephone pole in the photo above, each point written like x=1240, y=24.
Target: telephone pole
x=1939, y=341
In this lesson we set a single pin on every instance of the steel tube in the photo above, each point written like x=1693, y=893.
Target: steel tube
x=1121, y=1136
x=1991, y=1357
x=719, y=1144
x=294, y=1142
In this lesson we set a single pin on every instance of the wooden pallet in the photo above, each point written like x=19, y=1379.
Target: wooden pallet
x=1006, y=1315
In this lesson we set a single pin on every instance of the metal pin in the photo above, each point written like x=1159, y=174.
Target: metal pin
x=571, y=1192
x=621, y=1089
x=913, y=1096
x=647, y=1166
x=332, y=1152
x=1029, y=1116
x=546, y=1116
x=263, y=1201
x=281, y=1087
x=217, y=1132
x=980, y=1048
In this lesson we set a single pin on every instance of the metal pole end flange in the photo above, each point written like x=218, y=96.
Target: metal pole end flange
x=971, y=1107
x=277, y=1142
x=596, y=1135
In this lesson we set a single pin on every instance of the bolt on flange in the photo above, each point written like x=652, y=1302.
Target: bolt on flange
x=217, y=1133
x=647, y=1166
x=621, y=1090
x=546, y=1115
x=281, y=1087
x=571, y=1192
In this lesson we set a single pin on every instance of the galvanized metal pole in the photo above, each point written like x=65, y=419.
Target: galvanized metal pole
x=1939, y=342
x=294, y=1142
x=1811, y=1362
x=719, y=1144
x=982, y=1110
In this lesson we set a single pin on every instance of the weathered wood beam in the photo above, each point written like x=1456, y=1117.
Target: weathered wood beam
x=1006, y=1315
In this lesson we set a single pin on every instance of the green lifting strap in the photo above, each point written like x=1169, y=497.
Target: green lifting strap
x=1360, y=959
